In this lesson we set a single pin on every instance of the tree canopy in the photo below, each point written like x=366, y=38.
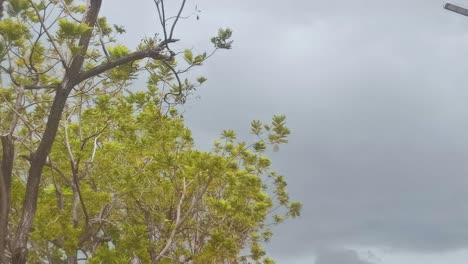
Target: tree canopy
x=95, y=169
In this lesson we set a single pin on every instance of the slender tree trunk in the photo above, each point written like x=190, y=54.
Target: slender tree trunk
x=75, y=207
x=4, y=199
x=19, y=249
x=3, y=217
x=4, y=191
x=6, y=169
x=34, y=177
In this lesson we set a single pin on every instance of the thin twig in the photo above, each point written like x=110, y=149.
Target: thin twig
x=64, y=64
x=177, y=18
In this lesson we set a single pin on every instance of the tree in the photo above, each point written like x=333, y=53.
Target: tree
x=92, y=170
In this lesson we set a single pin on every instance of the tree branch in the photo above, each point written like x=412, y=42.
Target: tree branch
x=177, y=18
x=138, y=55
x=41, y=20
x=177, y=225
x=89, y=19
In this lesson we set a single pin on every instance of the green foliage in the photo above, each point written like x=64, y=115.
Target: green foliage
x=123, y=179
x=105, y=28
x=119, y=29
x=122, y=72
x=70, y=30
x=201, y=80
x=188, y=56
x=222, y=40
x=144, y=166
x=14, y=31
x=118, y=51
x=79, y=8
x=15, y=7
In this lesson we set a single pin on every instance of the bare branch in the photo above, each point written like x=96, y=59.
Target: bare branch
x=18, y=105
x=95, y=135
x=65, y=5
x=41, y=87
x=177, y=18
x=62, y=59
x=162, y=16
x=67, y=141
x=178, y=81
x=101, y=40
x=176, y=224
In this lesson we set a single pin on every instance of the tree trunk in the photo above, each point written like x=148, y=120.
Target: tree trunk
x=3, y=216
x=6, y=169
x=72, y=259
x=75, y=207
x=19, y=249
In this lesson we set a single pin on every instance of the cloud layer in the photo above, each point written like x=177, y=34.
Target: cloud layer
x=342, y=256
x=376, y=95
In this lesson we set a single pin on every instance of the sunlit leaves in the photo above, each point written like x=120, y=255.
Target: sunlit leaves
x=191, y=60
x=13, y=31
x=229, y=135
x=295, y=209
x=37, y=54
x=122, y=72
x=105, y=28
x=256, y=127
x=188, y=56
x=15, y=7
x=199, y=59
x=123, y=170
x=79, y=8
x=71, y=30
x=259, y=146
x=118, y=51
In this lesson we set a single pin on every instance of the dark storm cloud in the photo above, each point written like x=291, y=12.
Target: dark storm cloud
x=377, y=99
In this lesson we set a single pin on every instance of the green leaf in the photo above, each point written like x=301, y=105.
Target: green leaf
x=119, y=29
x=201, y=80
x=228, y=134
x=256, y=127
x=188, y=56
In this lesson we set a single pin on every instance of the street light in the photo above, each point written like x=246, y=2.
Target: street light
x=456, y=9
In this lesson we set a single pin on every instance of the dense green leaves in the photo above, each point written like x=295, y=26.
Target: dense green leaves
x=145, y=169
x=69, y=29
x=123, y=180
x=14, y=31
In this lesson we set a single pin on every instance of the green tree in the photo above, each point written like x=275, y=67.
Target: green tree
x=92, y=170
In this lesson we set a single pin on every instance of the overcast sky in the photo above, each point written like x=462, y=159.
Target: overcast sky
x=376, y=96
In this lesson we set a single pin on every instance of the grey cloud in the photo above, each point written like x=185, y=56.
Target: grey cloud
x=339, y=256
x=376, y=97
